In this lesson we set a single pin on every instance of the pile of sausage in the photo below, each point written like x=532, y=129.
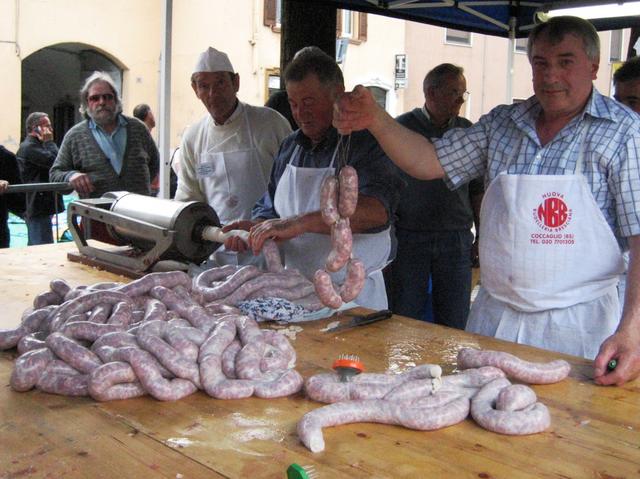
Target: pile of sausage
x=231, y=284
x=421, y=399
x=151, y=336
x=338, y=201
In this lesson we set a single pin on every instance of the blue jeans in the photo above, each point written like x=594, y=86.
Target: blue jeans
x=446, y=257
x=39, y=230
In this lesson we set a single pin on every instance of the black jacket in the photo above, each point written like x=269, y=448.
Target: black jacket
x=8, y=202
x=34, y=160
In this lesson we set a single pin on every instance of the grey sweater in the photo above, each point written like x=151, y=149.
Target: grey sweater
x=81, y=153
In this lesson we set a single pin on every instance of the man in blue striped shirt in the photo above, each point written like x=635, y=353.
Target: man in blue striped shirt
x=562, y=170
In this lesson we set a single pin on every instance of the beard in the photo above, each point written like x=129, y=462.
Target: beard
x=103, y=116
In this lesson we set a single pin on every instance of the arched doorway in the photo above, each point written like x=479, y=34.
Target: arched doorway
x=52, y=77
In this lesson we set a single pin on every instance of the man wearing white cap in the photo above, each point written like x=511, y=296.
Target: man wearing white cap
x=227, y=156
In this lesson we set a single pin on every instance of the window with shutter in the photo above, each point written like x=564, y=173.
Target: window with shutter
x=270, y=7
x=362, y=27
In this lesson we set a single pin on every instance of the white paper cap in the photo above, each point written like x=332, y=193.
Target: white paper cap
x=212, y=60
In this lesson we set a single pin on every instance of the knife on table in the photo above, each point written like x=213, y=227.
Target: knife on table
x=361, y=320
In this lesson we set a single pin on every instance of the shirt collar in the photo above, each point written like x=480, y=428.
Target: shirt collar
x=119, y=119
x=233, y=117
x=329, y=141
x=528, y=110
x=426, y=113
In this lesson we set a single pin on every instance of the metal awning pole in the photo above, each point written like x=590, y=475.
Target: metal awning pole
x=165, y=100
x=510, y=55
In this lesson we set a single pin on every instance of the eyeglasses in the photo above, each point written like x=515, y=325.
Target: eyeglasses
x=455, y=94
x=104, y=96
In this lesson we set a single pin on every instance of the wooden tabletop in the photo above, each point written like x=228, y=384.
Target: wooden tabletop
x=595, y=431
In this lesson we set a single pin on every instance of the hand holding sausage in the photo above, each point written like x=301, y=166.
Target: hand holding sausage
x=278, y=229
x=236, y=243
x=355, y=111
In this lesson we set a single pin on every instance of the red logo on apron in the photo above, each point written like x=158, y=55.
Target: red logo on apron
x=553, y=212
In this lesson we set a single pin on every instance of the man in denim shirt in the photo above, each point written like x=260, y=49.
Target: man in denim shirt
x=289, y=210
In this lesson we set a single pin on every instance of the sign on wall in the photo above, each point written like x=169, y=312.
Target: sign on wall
x=402, y=73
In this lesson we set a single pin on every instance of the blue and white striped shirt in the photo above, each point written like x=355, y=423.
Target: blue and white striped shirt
x=507, y=136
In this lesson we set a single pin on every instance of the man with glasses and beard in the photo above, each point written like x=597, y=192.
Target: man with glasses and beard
x=108, y=151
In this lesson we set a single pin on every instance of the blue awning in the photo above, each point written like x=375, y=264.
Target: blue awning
x=491, y=17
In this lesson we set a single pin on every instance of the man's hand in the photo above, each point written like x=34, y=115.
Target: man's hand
x=278, y=229
x=4, y=185
x=624, y=347
x=44, y=134
x=235, y=243
x=82, y=184
x=355, y=111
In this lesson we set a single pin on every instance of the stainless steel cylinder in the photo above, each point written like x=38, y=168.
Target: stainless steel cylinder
x=185, y=218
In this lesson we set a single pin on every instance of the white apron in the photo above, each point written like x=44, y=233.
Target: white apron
x=549, y=264
x=233, y=182
x=298, y=192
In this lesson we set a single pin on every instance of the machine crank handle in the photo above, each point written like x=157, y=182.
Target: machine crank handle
x=215, y=234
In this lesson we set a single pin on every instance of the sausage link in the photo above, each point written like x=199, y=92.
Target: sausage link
x=149, y=376
x=354, y=280
x=516, y=368
x=169, y=357
x=46, y=299
x=208, y=276
x=59, y=378
x=121, y=315
x=32, y=341
x=85, y=303
x=348, y=197
x=533, y=418
x=325, y=290
x=28, y=369
x=88, y=331
x=101, y=313
x=143, y=285
x=72, y=353
x=273, y=280
x=329, y=200
x=240, y=277
x=60, y=286
x=342, y=243
x=229, y=356
x=114, y=381
x=272, y=256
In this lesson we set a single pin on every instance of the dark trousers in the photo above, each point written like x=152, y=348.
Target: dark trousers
x=446, y=257
x=39, y=230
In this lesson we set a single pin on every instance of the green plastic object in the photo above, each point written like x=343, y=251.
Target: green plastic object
x=296, y=471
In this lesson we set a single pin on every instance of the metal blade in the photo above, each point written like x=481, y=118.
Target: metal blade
x=361, y=320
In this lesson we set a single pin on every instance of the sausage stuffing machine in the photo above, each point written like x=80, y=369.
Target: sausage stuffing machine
x=149, y=229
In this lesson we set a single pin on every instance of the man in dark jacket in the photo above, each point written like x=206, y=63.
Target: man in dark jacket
x=8, y=202
x=35, y=156
x=434, y=223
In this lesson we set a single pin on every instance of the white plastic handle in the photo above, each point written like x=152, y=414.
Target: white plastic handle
x=215, y=234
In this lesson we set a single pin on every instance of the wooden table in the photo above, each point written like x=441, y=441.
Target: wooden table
x=595, y=431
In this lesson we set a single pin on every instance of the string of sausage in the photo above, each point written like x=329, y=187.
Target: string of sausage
x=420, y=399
x=338, y=201
x=150, y=336
x=231, y=285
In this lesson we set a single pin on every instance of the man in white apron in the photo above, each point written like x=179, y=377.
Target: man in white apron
x=563, y=175
x=226, y=157
x=289, y=211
